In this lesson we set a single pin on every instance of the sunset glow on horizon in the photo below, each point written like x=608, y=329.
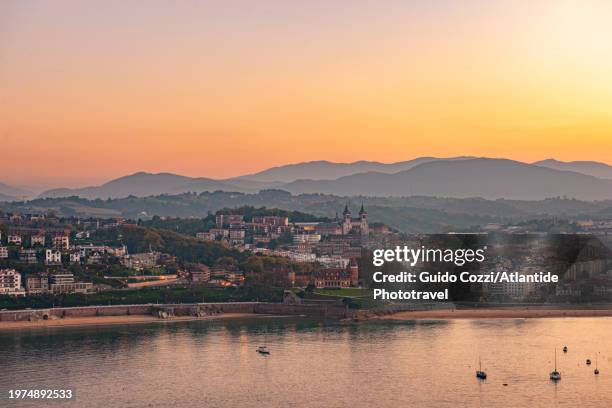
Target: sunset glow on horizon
x=94, y=90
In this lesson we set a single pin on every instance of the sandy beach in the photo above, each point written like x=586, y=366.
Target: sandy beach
x=507, y=313
x=111, y=320
x=500, y=313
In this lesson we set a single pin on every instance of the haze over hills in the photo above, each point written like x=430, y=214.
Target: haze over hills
x=591, y=168
x=483, y=177
x=147, y=184
x=6, y=197
x=428, y=176
x=325, y=170
x=8, y=192
x=416, y=214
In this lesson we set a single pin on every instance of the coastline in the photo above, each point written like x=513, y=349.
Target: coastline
x=494, y=313
x=447, y=314
x=117, y=320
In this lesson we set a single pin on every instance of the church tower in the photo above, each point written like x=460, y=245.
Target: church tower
x=363, y=225
x=346, y=220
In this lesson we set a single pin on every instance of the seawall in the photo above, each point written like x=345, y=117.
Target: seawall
x=193, y=309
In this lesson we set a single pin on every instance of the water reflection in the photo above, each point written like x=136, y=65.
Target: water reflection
x=316, y=363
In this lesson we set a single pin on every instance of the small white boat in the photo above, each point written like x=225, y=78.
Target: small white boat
x=588, y=361
x=555, y=375
x=263, y=350
x=480, y=374
x=565, y=349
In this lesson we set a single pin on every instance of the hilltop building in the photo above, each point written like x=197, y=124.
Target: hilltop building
x=358, y=225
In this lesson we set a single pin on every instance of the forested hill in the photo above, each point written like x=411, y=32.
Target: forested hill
x=410, y=214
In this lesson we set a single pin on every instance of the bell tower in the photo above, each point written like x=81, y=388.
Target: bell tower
x=363, y=225
x=346, y=220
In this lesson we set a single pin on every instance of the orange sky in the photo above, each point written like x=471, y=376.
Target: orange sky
x=94, y=90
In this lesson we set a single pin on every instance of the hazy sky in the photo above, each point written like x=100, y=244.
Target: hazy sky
x=91, y=90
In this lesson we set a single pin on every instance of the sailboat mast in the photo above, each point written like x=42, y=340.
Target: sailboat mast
x=555, y=359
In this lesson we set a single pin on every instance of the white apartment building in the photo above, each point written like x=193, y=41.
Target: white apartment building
x=61, y=242
x=237, y=236
x=53, y=257
x=88, y=250
x=205, y=236
x=140, y=261
x=306, y=238
x=10, y=282
x=14, y=239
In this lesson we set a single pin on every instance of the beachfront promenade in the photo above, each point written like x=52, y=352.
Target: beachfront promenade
x=190, y=309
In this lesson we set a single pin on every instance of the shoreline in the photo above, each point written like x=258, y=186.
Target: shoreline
x=440, y=314
x=493, y=313
x=119, y=320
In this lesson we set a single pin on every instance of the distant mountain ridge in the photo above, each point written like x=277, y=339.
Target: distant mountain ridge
x=591, y=168
x=11, y=193
x=147, y=184
x=428, y=176
x=144, y=184
x=482, y=177
x=326, y=170
x=6, y=197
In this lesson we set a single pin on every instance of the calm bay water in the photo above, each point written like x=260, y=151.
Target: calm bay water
x=314, y=364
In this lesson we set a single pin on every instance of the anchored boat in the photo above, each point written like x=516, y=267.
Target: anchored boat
x=480, y=374
x=555, y=375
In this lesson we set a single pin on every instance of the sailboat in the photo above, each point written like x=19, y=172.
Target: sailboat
x=480, y=374
x=596, y=371
x=555, y=375
x=263, y=350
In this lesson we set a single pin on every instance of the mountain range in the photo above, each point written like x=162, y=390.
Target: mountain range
x=478, y=177
x=425, y=176
x=325, y=170
x=146, y=184
x=591, y=168
x=10, y=193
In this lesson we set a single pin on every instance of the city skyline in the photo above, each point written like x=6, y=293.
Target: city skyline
x=93, y=91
